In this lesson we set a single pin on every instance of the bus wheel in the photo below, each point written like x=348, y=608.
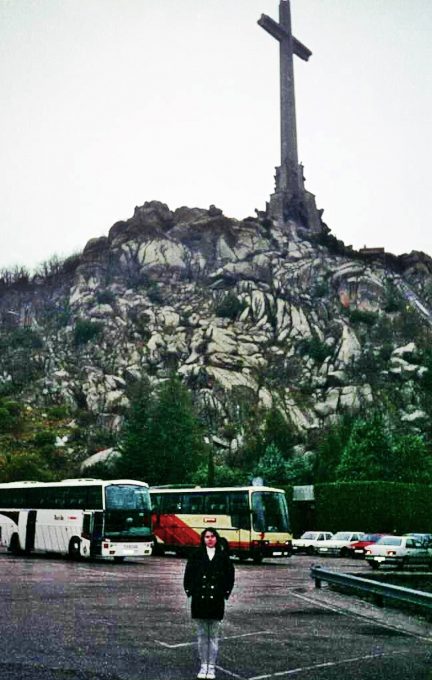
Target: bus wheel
x=14, y=546
x=257, y=559
x=119, y=559
x=74, y=548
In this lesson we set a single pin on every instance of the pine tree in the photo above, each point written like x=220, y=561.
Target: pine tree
x=271, y=466
x=330, y=448
x=278, y=432
x=367, y=453
x=174, y=438
x=136, y=461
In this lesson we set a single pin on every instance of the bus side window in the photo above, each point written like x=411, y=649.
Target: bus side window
x=94, y=497
x=239, y=509
x=216, y=503
x=193, y=504
x=8, y=500
x=172, y=503
x=156, y=503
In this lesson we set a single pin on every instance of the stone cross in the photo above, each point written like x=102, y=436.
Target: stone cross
x=289, y=177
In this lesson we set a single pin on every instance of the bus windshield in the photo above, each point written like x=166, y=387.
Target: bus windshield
x=270, y=512
x=127, y=511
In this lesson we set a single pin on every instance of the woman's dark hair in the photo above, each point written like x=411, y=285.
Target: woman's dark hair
x=211, y=531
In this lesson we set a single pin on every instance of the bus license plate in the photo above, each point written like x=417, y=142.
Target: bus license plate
x=130, y=548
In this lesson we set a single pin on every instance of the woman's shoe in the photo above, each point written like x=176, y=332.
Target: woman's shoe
x=202, y=673
x=211, y=673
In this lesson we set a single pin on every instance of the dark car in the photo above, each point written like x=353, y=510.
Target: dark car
x=357, y=549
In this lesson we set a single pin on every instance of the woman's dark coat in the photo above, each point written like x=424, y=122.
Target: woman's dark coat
x=210, y=583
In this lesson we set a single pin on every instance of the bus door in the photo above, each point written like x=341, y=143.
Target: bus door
x=98, y=525
x=93, y=530
x=240, y=520
x=30, y=531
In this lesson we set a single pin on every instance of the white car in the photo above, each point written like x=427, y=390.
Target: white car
x=310, y=540
x=339, y=543
x=399, y=551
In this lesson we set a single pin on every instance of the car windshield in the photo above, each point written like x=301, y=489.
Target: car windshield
x=309, y=534
x=371, y=537
x=342, y=536
x=390, y=540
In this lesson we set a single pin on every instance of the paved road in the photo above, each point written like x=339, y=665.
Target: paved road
x=61, y=620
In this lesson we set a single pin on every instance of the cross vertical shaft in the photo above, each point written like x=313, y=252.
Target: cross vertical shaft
x=290, y=197
x=289, y=153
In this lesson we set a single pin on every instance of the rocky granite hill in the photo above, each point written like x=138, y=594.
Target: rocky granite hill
x=241, y=309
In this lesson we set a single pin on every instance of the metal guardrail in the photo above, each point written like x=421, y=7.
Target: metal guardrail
x=380, y=591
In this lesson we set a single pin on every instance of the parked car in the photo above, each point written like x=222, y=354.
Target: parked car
x=426, y=539
x=310, y=540
x=398, y=551
x=357, y=549
x=340, y=543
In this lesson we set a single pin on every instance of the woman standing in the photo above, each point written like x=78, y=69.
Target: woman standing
x=209, y=579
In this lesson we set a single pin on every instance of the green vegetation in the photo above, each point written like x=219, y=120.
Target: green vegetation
x=362, y=316
x=86, y=330
x=394, y=301
x=162, y=441
x=154, y=293
x=330, y=447
x=230, y=307
x=10, y=416
x=315, y=348
x=105, y=297
x=373, y=452
x=374, y=506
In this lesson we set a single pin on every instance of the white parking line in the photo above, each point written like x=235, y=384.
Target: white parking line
x=356, y=615
x=227, y=637
x=230, y=673
x=114, y=574
x=326, y=664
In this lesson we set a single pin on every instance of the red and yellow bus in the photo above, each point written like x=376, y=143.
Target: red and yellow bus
x=253, y=521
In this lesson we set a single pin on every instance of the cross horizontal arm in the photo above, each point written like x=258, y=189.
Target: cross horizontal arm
x=279, y=32
x=301, y=50
x=272, y=27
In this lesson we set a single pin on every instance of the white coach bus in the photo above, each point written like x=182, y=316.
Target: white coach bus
x=77, y=517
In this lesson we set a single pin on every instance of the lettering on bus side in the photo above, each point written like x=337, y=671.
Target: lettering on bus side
x=60, y=517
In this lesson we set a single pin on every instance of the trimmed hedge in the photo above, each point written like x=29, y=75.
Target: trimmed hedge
x=363, y=506
x=374, y=506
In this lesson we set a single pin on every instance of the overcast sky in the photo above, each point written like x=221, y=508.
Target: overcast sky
x=107, y=104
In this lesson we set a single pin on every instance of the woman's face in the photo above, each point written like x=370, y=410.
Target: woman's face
x=210, y=539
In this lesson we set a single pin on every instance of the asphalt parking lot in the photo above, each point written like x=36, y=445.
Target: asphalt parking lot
x=103, y=621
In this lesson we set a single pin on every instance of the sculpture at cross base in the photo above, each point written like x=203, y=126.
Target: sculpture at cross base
x=290, y=200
